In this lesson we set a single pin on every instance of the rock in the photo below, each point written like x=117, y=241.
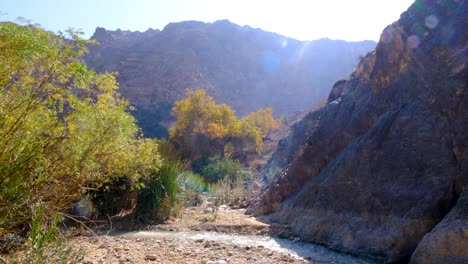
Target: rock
x=381, y=164
x=151, y=257
x=448, y=241
x=201, y=240
x=155, y=67
x=217, y=262
x=247, y=247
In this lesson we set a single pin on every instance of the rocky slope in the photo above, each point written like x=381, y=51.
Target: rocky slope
x=384, y=162
x=244, y=67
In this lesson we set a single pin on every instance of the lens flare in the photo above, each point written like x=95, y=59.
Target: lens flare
x=271, y=61
x=386, y=35
x=413, y=41
x=431, y=22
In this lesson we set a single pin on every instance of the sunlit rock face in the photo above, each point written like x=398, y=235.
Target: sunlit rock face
x=385, y=160
x=244, y=67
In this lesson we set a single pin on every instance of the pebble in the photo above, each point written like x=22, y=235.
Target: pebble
x=217, y=262
x=151, y=257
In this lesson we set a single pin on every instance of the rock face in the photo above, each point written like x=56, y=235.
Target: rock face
x=244, y=67
x=448, y=241
x=384, y=161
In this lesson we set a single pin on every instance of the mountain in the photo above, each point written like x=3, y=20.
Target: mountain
x=244, y=67
x=382, y=168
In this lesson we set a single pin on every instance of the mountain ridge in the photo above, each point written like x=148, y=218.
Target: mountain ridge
x=244, y=67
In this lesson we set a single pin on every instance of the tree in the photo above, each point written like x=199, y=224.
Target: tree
x=205, y=129
x=202, y=125
x=263, y=119
x=61, y=125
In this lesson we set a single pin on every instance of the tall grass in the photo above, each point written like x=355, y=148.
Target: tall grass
x=158, y=196
x=46, y=244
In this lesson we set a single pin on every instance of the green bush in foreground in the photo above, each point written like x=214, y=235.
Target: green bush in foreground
x=61, y=126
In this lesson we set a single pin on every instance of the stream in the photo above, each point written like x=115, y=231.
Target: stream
x=312, y=252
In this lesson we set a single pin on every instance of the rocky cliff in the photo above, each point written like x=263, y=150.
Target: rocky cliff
x=244, y=67
x=385, y=161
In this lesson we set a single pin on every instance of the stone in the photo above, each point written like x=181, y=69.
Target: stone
x=382, y=163
x=151, y=257
x=217, y=262
x=155, y=67
x=448, y=241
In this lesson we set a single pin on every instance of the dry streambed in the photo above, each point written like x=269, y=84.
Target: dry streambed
x=191, y=239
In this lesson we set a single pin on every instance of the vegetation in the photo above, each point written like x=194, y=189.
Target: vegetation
x=157, y=198
x=206, y=129
x=66, y=134
x=45, y=244
x=218, y=169
x=63, y=129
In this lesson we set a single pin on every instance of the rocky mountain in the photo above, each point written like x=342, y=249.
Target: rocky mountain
x=382, y=168
x=244, y=67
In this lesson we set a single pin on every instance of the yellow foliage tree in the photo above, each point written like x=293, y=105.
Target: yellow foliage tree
x=263, y=119
x=204, y=128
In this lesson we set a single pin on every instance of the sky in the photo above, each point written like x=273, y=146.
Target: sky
x=351, y=20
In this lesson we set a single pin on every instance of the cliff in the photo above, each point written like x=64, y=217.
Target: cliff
x=384, y=162
x=244, y=67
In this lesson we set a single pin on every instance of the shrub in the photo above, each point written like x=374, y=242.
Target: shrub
x=61, y=126
x=45, y=243
x=218, y=169
x=158, y=194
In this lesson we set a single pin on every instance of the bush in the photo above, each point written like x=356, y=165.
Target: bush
x=218, y=169
x=45, y=243
x=113, y=197
x=192, y=185
x=158, y=194
x=61, y=126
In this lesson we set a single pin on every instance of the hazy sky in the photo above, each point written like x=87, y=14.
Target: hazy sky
x=300, y=19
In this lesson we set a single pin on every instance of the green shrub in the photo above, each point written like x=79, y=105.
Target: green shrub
x=45, y=243
x=158, y=194
x=218, y=169
x=62, y=125
x=113, y=197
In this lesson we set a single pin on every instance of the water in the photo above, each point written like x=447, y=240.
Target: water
x=314, y=253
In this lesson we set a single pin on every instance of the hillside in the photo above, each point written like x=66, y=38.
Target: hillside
x=381, y=170
x=244, y=67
